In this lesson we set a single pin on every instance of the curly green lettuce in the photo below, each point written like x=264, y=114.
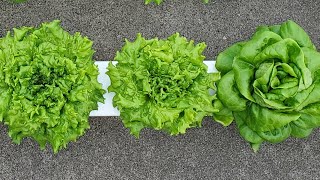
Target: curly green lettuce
x=162, y=84
x=160, y=1
x=270, y=85
x=48, y=84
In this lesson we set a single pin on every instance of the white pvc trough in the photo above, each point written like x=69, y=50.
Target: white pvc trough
x=107, y=109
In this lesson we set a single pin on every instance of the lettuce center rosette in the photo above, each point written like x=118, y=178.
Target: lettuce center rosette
x=162, y=84
x=48, y=84
x=270, y=85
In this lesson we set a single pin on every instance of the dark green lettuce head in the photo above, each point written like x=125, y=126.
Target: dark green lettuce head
x=48, y=84
x=162, y=84
x=270, y=85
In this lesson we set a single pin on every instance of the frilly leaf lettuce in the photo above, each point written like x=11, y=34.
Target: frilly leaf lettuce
x=162, y=84
x=270, y=85
x=48, y=84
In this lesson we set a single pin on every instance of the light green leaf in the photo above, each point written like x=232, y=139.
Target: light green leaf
x=292, y=30
x=224, y=116
x=225, y=59
x=229, y=95
x=243, y=75
x=265, y=119
x=260, y=41
x=247, y=133
x=276, y=135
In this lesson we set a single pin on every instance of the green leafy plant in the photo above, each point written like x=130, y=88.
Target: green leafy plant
x=162, y=84
x=48, y=84
x=270, y=85
x=160, y=1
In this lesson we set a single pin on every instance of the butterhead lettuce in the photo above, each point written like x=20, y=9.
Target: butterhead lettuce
x=270, y=85
x=48, y=84
x=162, y=84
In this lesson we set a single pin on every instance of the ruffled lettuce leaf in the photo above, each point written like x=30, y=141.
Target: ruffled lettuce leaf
x=162, y=84
x=48, y=84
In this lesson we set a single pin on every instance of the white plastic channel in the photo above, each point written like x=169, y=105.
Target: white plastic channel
x=107, y=108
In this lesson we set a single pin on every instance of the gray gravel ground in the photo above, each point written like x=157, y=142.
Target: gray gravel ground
x=107, y=151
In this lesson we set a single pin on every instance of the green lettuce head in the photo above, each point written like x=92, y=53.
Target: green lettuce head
x=270, y=85
x=162, y=84
x=48, y=84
